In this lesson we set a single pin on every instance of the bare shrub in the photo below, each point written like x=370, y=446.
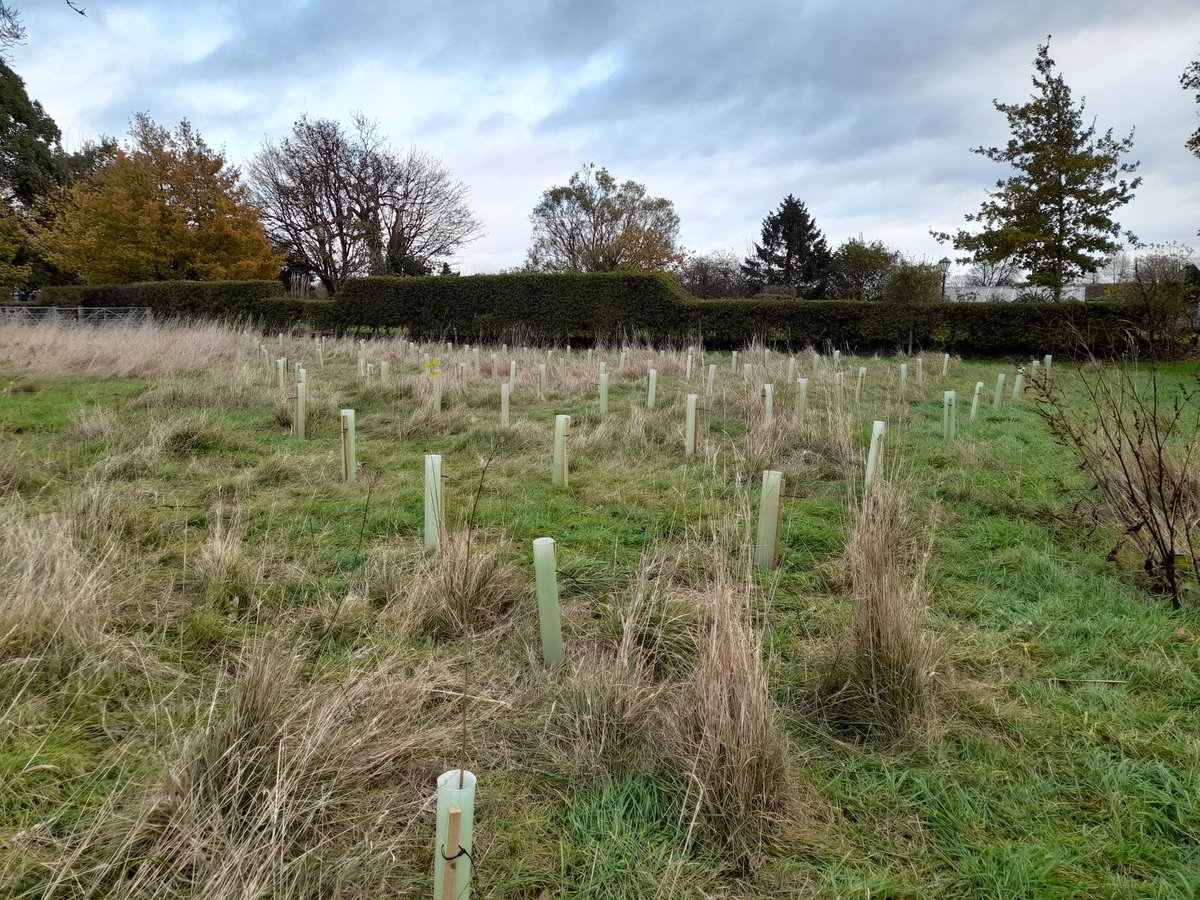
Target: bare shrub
x=880, y=684
x=1139, y=445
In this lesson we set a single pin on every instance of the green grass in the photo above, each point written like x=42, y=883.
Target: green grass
x=1060, y=759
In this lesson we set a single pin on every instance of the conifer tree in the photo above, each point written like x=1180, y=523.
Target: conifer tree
x=793, y=252
x=1054, y=216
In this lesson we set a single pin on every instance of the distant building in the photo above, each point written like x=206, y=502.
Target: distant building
x=963, y=294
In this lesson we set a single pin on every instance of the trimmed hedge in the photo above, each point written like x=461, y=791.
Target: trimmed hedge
x=542, y=307
x=263, y=302
x=982, y=329
x=613, y=305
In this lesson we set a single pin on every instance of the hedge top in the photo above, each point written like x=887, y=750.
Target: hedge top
x=623, y=305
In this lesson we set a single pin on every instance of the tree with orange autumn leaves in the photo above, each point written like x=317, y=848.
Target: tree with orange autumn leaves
x=165, y=207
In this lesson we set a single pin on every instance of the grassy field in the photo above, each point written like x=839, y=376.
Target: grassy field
x=224, y=673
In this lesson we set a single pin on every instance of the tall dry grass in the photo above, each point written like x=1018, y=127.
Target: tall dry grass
x=285, y=789
x=682, y=691
x=120, y=350
x=880, y=683
x=58, y=602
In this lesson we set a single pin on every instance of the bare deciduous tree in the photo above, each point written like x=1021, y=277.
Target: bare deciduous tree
x=344, y=203
x=715, y=274
x=993, y=273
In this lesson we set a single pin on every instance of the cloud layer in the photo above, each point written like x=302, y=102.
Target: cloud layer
x=865, y=110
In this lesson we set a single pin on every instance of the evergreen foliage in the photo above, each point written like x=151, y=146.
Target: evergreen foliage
x=793, y=252
x=1054, y=216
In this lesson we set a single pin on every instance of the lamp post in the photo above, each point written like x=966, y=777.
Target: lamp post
x=944, y=265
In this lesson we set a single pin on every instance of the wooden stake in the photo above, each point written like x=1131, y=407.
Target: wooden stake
x=349, y=461
x=873, y=453
x=450, y=875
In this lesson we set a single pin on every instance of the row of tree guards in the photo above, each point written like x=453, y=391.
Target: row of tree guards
x=456, y=788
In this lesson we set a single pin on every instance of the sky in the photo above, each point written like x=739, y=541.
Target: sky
x=866, y=110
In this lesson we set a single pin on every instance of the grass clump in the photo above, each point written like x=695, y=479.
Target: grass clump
x=273, y=793
x=880, y=684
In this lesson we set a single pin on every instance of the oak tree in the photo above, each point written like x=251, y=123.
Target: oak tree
x=342, y=203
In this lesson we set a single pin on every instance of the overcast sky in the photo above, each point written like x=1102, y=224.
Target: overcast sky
x=864, y=109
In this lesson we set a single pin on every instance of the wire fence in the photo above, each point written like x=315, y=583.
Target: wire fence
x=77, y=315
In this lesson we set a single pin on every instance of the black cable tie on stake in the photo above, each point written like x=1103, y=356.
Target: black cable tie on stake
x=462, y=851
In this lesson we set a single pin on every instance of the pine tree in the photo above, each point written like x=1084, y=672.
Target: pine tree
x=793, y=252
x=1053, y=217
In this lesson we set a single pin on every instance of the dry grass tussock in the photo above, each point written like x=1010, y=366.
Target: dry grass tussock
x=683, y=692
x=287, y=789
x=175, y=434
x=58, y=602
x=726, y=728
x=880, y=683
x=643, y=429
x=224, y=576
x=243, y=384
x=463, y=589
x=120, y=351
